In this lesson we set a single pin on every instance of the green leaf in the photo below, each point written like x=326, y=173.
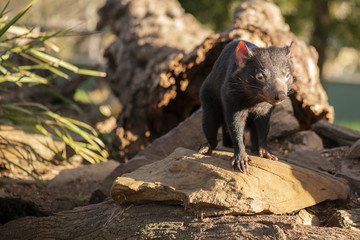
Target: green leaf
x=3, y=10
x=34, y=116
x=46, y=66
x=23, y=77
x=16, y=18
x=40, y=117
x=54, y=61
x=91, y=73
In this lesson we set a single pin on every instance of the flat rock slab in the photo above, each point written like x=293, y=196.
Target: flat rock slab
x=208, y=185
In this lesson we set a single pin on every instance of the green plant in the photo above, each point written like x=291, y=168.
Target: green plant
x=19, y=42
x=82, y=197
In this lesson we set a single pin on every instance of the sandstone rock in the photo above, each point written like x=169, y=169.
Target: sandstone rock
x=341, y=135
x=354, y=151
x=333, y=161
x=208, y=185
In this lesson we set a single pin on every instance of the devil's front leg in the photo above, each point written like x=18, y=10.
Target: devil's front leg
x=262, y=125
x=236, y=120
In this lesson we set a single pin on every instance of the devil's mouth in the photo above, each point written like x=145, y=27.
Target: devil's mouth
x=274, y=102
x=277, y=102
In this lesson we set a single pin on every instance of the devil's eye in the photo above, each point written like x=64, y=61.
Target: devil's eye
x=260, y=77
x=287, y=75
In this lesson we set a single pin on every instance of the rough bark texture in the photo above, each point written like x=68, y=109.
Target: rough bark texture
x=158, y=82
x=349, y=219
x=149, y=33
x=107, y=220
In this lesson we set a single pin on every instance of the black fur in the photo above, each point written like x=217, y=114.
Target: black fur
x=234, y=97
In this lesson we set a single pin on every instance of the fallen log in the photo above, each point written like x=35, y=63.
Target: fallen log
x=107, y=220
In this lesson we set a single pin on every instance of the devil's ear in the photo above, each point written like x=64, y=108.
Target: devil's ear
x=288, y=49
x=242, y=54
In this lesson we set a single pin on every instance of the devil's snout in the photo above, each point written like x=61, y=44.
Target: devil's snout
x=280, y=96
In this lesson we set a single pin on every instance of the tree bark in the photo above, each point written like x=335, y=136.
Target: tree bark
x=150, y=34
x=107, y=220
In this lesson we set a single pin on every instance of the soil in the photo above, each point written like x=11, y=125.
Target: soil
x=21, y=196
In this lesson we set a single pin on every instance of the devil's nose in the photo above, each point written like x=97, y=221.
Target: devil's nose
x=280, y=96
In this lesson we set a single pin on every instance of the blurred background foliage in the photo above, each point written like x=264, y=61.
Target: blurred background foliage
x=331, y=26
x=30, y=80
x=81, y=44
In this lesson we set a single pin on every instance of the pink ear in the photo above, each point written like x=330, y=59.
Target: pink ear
x=242, y=53
x=288, y=53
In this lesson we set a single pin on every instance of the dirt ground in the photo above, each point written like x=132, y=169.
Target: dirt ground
x=21, y=196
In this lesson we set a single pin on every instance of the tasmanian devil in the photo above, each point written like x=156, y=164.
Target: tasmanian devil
x=245, y=84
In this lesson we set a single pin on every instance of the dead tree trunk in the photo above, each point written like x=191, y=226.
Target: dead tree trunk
x=157, y=79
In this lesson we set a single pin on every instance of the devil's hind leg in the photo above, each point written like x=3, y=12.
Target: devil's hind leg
x=211, y=121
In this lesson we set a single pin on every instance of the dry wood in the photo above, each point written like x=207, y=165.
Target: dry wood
x=341, y=135
x=110, y=221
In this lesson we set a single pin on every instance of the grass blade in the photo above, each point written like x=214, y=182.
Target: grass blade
x=91, y=73
x=16, y=18
x=54, y=61
x=4, y=9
